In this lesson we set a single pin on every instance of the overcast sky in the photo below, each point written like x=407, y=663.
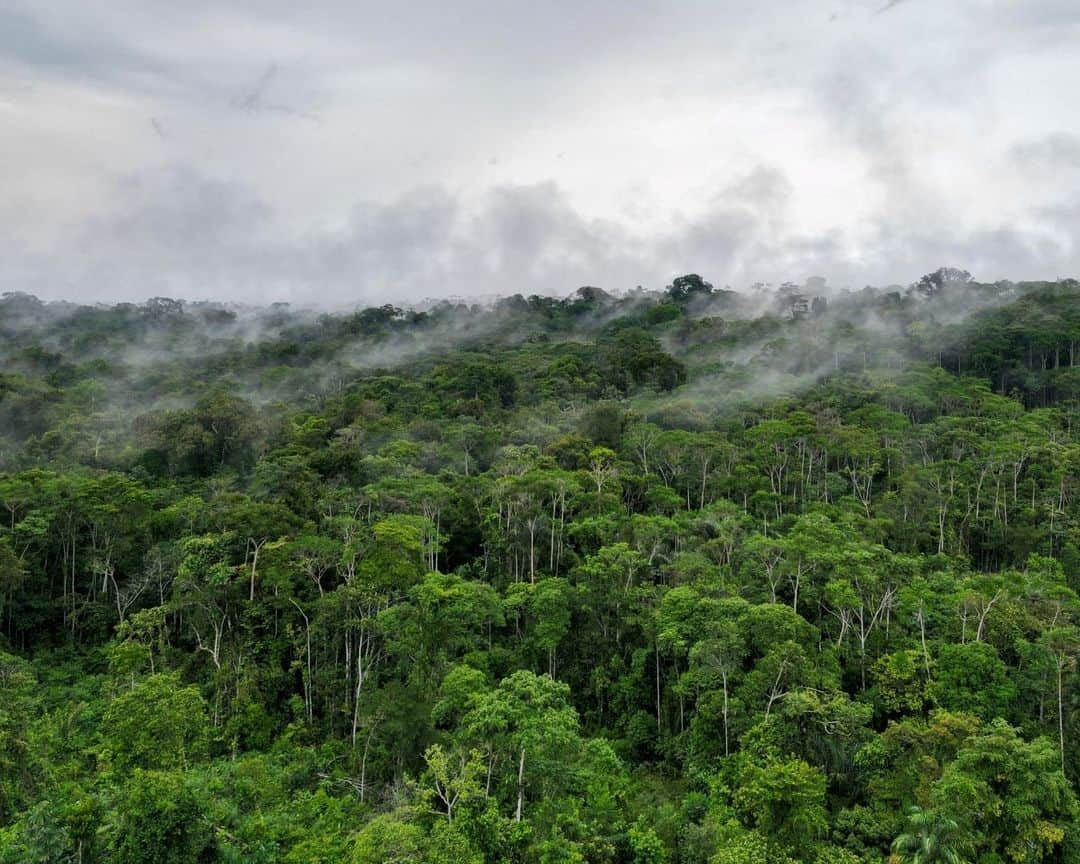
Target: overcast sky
x=368, y=151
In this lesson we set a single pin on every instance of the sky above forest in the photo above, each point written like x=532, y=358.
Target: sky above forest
x=342, y=153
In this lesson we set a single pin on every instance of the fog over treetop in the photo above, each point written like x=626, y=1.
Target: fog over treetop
x=350, y=154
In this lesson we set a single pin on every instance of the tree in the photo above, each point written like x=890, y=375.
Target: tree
x=552, y=605
x=38, y=835
x=12, y=576
x=1063, y=645
x=204, y=589
x=1009, y=796
x=388, y=839
x=258, y=524
x=532, y=734
x=784, y=799
x=607, y=580
x=645, y=846
x=454, y=777
x=972, y=678
x=718, y=658
x=156, y=724
x=219, y=431
x=443, y=617
x=942, y=278
x=314, y=556
x=900, y=685
x=930, y=838
x=160, y=819
x=632, y=357
x=18, y=703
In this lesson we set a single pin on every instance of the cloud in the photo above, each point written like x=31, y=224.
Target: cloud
x=1055, y=152
x=182, y=233
x=891, y=4
x=65, y=46
x=534, y=148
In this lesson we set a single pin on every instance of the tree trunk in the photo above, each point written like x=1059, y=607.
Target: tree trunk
x=254, y=564
x=723, y=676
x=656, y=654
x=1061, y=717
x=521, y=786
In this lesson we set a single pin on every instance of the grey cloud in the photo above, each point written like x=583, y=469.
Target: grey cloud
x=185, y=234
x=724, y=114
x=1051, y=153
x=31, y=43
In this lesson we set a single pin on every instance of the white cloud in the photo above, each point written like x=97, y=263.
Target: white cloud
x=470, y=148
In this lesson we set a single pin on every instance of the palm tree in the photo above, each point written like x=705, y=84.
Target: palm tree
x=930, y=839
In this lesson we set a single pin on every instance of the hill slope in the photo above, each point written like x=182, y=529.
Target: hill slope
x=687, y=576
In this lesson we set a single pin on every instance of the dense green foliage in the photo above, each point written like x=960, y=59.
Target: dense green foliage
x=689, y=577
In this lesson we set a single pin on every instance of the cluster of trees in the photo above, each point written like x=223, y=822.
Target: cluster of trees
x=576, y=585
